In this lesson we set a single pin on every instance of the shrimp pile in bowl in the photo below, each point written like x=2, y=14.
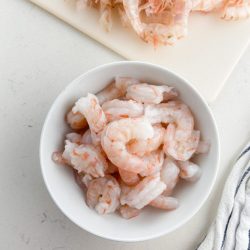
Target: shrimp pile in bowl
x=163, y=21
x=131, y=144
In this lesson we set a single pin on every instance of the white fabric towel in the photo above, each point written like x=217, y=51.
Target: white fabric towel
x=231, y=228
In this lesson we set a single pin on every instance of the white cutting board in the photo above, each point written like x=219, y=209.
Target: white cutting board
x=205, y=57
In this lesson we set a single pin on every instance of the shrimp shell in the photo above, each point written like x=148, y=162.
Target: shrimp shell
x=90, y=108
x=151, y=94
x=189, y=171
x=85, y=158
x=103, y=194
x=144, y=192
x=117, y=109
x=164, y=202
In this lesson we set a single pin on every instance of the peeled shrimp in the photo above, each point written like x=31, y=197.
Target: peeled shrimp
x=90, y=108
x=169, y=175
x=146, y=93
x=129, y=178
x=117, y=109
x=85, y=158
x=76, y=120
x=142, y=147
x=103, y=194
x=122, y=83
x=189, y=171
x=164, y=202
x=129, y=212
x=115, y=137
x=181, y=150
x=144, y=192
x=173, y=111
x=87, y=138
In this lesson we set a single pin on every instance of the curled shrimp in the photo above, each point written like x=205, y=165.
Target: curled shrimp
x=129, y=178
x=103, y=194
x=181, y=150
x=85, y=158
x=189, y=171
x=115, y=137
x=128, y=212
x=173, y=111
x=142, y=147
x=146, y=93
x=144, y=192
x=92, y=111
x=117, y=109
x=169, y=175
x=165, y=202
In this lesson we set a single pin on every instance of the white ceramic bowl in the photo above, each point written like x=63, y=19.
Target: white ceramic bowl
x=68, y=196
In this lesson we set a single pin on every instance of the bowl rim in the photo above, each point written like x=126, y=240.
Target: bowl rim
x=217, y=139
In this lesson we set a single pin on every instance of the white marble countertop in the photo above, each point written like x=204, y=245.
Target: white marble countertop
x=39, y=56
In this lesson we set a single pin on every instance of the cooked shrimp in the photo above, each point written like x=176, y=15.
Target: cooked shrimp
x=128, y=212
x=122, y=83
x=236, y=9
x=111, y=168
x=58, y=158
x=76, y=120
x=146, y=93
x=169, y=175
x=144, y=192
x=142, y=147
x=189, y=171
x=85, y=158
x=181, y=150
x=164, y=202
x=173, y=111
x=90, y=108
x=115, y=137
x=203, y=147
x=74, y=137
x=103, y=194
x=117, y=109
x=129, y=178
x=85, y=179
x=87, y=138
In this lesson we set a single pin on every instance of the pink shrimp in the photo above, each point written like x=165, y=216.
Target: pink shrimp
x=144, y=192
x=146, y=93
x=90, y=108
x=189, y=171
x=164, y=202
x=128, y=212
x=129, y=178
x=76, y=120
x=115, y=137
x=85, y=158
x=117, y=109
x=142, y=147
x=103, y=194
x=169, y=175
x=181, y=150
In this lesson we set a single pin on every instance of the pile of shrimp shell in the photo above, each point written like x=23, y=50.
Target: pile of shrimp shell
x=130, y=145
x=163, y=21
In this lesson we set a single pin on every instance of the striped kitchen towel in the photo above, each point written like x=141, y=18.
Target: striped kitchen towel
x=231, y=228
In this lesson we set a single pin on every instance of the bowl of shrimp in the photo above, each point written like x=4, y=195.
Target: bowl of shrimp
x=129, y=146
